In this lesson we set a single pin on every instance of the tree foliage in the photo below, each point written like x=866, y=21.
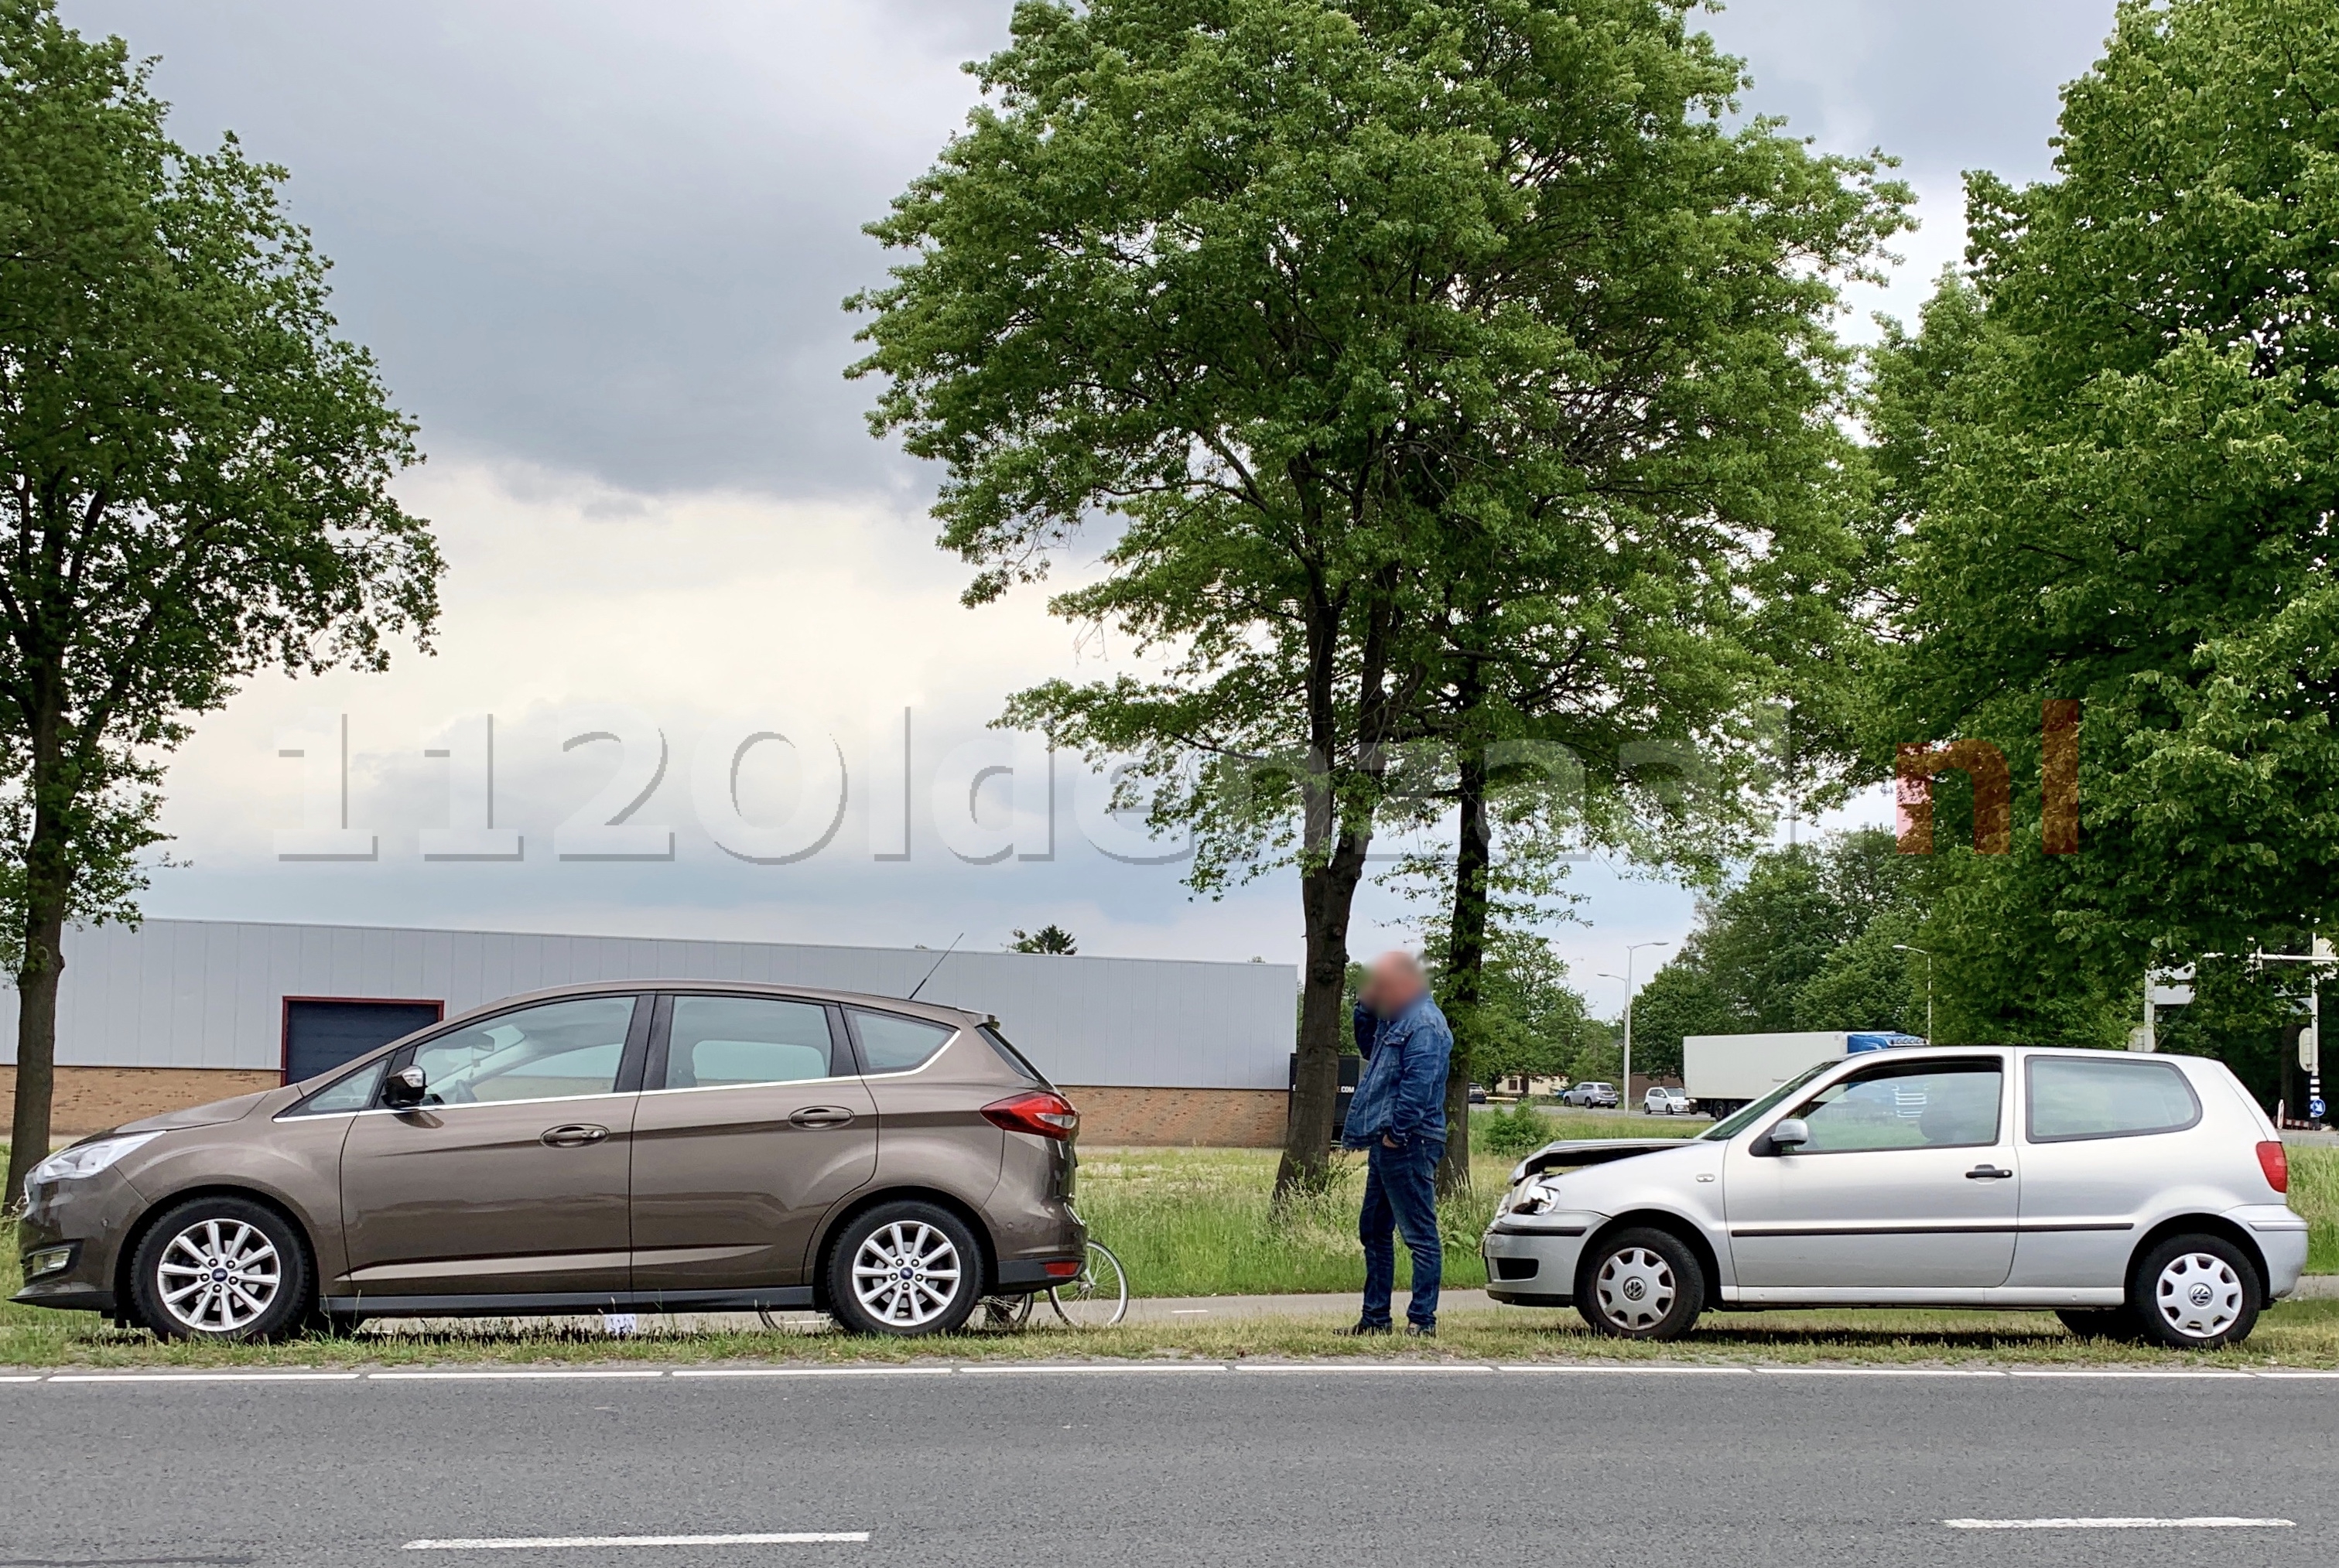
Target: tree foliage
x=1803, y=940
x=195, y=474
x=2114, y=445
x=1370, y=330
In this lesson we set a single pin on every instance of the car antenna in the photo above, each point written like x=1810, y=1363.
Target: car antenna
x=938, y=963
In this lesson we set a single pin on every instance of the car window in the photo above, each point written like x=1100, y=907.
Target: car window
x=727, y=1041
x=555, y=1052
x=1911, y=1104
x=351, y=1092
x=2110, y=1096
x=1738, y=1120
x=892, y=1043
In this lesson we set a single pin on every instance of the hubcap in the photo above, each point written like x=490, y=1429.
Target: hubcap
x=218, y=1276
x=2198, y=1296
x=1635, y=1288
x=906, y=1274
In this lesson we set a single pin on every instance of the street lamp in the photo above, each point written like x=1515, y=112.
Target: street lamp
x=1904, y=947
x=1624, y=1089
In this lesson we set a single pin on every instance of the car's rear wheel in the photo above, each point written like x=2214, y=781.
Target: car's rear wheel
x=223, y=1269
x=904, y=1268
x=1641, y=1284
x=2195, y=1293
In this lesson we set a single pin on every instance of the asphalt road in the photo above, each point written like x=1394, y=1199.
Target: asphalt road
x=1028, y=1467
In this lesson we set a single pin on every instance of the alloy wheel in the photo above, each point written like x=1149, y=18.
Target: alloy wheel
x=218, y=1275
x=2198, y=1294
x=906, y=1274
x=1635, y=1287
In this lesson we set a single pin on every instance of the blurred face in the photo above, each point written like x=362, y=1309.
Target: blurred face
x=1393, y=984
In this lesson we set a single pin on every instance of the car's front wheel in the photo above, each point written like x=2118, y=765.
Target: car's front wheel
x=2195, y=1293
x=221, y=1268
x=1641, y=1284
x=904, y=1268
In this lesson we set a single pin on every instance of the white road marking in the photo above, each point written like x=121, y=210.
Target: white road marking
x=516, y=1374
x=1101, y=1367
x=2108, y=1373
x=1363, y=1367
x=1582, y=1367
x=2324, y=1376
x=1878, y=1371
x=205, y=1378
x=2206, y=1521
x=814, y=1371
x=1190, y=1312
x=575, y=1542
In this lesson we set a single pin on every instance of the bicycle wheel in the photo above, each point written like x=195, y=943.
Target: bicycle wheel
x=1099, y=1297
x=1006, y=1312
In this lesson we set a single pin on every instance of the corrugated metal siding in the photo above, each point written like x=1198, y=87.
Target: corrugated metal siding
x=210, y=993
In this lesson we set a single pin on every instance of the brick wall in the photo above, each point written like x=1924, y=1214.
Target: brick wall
x=1205, y=1117
x=93, y=1098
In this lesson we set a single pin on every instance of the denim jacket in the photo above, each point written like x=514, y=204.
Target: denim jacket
x=1402, y=1091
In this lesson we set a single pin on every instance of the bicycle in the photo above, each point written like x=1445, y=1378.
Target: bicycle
x=1095, y=1298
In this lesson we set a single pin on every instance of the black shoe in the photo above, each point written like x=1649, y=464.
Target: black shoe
x=1359, y=1328
x=1421, y=1330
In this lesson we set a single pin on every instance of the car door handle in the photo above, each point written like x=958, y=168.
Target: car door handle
x=572, y=1135
x=1987, y=1173
x=823, y=1116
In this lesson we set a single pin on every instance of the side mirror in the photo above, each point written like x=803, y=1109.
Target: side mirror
x=405, y=1086
x=1786, y=1137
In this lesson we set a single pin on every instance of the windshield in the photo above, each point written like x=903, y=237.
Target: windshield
x=1731, y=1126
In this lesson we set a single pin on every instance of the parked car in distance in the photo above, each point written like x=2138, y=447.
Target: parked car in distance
x=1477, y=1094
x=1591, y=1094
x=654, y=1147
x=1662, y=1100
x=2137, y=1197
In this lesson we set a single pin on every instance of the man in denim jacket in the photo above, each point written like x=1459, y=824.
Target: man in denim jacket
x=1397, y=1117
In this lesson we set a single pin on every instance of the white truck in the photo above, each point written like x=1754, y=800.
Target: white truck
x=1723, y=1072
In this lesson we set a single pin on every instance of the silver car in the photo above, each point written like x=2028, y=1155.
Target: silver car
x=2134, y=1196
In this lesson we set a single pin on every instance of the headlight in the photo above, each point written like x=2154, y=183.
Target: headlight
x=85, y=1159
x=1534, y=1196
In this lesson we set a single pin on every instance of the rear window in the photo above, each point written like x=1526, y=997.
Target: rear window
x=1014, y=1058
x=892, y=1043
x=2075, y=1097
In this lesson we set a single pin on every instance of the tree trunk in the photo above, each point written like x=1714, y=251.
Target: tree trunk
x=48, y=885
x=1465, y=964
x=1327, y=894
x=36, y=1045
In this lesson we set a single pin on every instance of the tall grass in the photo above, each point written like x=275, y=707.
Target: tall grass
x=1200, y=1222
x=2315, y=1193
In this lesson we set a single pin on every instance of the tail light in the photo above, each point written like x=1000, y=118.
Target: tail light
x=2276, y=1166
x=1048, y=1115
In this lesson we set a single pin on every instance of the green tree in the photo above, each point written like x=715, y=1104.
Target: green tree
x=1803, y=940
x=1048, y=937
x=2113, y=445
x=1526, y=1018
x=195, y=474
x=1330, y=304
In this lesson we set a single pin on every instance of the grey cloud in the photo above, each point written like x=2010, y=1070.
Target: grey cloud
x=604, y=237
x=612, y=238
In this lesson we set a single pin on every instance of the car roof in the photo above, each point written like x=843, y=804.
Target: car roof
x=956, y=1017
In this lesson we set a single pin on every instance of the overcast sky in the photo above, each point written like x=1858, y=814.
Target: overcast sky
x=599, y=249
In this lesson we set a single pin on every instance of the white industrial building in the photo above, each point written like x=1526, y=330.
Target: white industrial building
x=174, y=1012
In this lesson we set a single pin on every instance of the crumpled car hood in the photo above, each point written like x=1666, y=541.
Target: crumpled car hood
x=212, y=1115
x=1569, y=1154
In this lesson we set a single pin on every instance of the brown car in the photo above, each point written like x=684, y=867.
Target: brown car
x=653, y=1147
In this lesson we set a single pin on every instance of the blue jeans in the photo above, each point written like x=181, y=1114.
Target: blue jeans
x=1401, y=1192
